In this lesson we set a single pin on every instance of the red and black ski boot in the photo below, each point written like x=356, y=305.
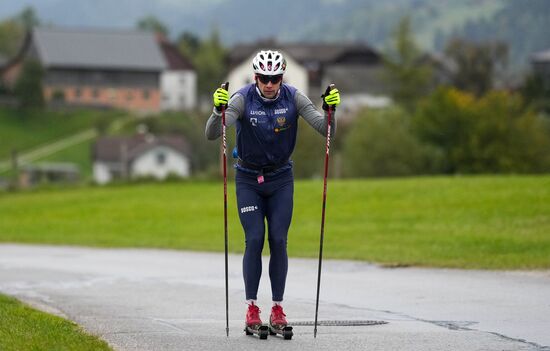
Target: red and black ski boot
x=253, y=323
x=278, y=323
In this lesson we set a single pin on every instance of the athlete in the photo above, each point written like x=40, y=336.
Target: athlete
x=266, y=117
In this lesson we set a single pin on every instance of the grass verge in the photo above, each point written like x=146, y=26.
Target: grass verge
x=23, y=328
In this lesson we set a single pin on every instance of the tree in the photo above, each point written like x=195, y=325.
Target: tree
x=152, y=24
x=381, y=143
x=309, y=153
x=210, y=64
x=189, y=44
x=409, y=77
x=11, y=36
x=507, y=138
x=444, y=120
x=12, y=31
x=28, y=18
x=477, y=64
x=491, y=134
x=28, y=87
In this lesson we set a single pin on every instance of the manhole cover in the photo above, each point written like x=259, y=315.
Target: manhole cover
x=351, y=323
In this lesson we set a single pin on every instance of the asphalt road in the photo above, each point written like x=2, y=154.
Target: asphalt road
x=173, y=300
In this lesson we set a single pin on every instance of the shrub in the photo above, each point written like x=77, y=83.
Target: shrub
x=381, y=143
x=491, y=134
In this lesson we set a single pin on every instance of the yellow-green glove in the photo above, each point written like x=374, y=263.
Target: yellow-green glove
x=221, y=97
x=331, y=99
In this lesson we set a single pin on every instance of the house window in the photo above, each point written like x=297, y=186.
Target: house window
x=146, y=94
x=129, y=96
x=77, y=93
x=95, y=93
x=161, y=158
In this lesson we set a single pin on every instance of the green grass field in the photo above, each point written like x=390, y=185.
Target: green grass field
x=467, y=222
x=23, y=328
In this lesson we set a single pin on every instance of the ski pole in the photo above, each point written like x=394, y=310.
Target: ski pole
x=224, y=142
x=329, y=112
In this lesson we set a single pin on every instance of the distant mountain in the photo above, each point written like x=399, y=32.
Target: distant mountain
x=247, y=20
x=524, y=25
x=371, y=21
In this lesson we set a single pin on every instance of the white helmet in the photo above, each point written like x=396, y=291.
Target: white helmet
x=269, y=63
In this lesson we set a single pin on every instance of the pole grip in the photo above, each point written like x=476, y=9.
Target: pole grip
x=327, y=91
x=329, y=88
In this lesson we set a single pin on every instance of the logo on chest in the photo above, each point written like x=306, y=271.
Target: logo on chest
x=281, y=124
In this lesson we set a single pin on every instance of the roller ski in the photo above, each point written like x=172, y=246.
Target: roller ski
x=253, y=324
x=278, y=324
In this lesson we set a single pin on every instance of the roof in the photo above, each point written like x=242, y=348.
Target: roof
x=174, y=59
x=541, y=56
x=304, y=53
x=366, y=79
x=107, y=49
x=110, y=149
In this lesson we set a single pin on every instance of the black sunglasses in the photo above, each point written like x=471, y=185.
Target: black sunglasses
x=273, y=79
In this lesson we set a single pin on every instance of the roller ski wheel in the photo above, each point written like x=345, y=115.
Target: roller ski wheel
x=261, y=330
x=284, y=330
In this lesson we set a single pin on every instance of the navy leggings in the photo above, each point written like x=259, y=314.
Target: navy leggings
x=271, y=200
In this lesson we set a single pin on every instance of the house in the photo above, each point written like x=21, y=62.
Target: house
x=540, y=62
x=104, y=68
x=355, y=68
x=142, y=155
x=179, y=80
x=130, y=70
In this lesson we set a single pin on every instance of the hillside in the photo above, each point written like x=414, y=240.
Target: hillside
x=524, y=24
x=30, y=131
x=36, y=131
